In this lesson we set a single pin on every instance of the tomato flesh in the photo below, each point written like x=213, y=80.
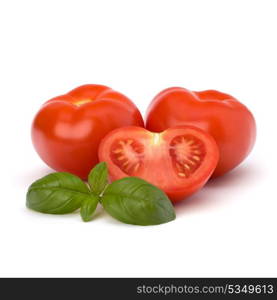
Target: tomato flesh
x=127, y=154
x=178, y=160
x=187, y=153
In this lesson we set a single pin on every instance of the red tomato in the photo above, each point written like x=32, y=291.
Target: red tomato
x=179, y=160
x=67, y=130
x=230, y=123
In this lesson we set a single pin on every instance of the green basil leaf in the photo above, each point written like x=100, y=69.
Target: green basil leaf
x=98, y=178
x=88, y=207
x=57, y=193
x=134, y=201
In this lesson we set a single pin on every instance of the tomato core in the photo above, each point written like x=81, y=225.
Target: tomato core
x=156, y=138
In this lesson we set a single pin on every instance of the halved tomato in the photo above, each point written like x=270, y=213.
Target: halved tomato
x=178, y=160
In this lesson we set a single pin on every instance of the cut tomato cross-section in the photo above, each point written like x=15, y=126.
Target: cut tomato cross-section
x=178, y=160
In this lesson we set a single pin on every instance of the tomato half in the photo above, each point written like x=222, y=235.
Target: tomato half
x=230, y=122
x=67, y=130
x=178, y=160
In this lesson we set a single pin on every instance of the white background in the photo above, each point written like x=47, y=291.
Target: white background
x=139, y=48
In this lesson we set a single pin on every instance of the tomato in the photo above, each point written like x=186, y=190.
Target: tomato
x=230, y=122
x=178, y=160
x=67, y=129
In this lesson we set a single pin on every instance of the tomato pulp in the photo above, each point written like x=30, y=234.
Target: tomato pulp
x=230, y=122
x=178, y=160
x=67, y=130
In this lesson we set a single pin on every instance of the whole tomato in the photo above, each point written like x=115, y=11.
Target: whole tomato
x=230, y=122
x=67, y=130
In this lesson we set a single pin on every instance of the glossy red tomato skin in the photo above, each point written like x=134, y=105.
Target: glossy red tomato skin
x=67, y=136
x=230, y=122
x=159, y=164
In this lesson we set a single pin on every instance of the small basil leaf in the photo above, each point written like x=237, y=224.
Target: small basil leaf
x=57, y=193
x=98, y=178
x=134, y=201
x=88, y=207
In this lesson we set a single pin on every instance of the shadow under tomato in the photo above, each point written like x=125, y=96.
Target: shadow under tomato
x=217, y=189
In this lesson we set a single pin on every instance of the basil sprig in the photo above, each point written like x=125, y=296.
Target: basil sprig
x=130, y=200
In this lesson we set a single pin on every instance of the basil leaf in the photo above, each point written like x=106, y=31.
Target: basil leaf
x=98, y=178
x=57, y=193
x=88, y=207
x=134, y=201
